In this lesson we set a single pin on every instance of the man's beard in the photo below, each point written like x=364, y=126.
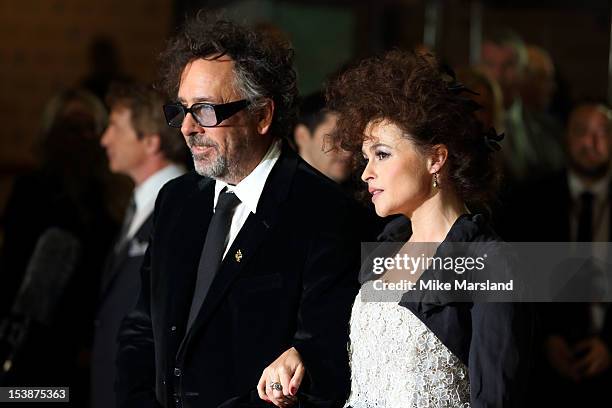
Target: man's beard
x=226, y=167
x=591, y=172
x=216, y=167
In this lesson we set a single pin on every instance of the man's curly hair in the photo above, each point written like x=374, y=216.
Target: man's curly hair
x=411, y=90
x=263, y=64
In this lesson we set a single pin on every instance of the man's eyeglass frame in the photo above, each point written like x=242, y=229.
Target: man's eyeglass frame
x=222, y=111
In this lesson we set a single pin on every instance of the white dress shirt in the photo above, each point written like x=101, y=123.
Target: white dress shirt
x=248, y=191
x=146, y=194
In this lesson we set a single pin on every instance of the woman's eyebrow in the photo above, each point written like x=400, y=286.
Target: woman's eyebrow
x=377, y=145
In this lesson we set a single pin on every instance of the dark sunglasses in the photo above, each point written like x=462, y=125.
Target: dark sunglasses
x=205, y=114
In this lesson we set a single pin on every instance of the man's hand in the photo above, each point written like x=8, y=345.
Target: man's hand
x=288, y=371
x=561, y=357
x=595, y=357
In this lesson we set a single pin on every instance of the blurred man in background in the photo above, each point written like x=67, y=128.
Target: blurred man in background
x=578, y=337
x=528, y=151
x=504, y=58
x=537, y=89
x=563, y=203
x=140, y=145
x=315, y=122
x=538, y=83
x=488, y=96
x=574, y=205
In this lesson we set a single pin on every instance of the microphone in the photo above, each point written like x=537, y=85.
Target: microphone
x=53, y=262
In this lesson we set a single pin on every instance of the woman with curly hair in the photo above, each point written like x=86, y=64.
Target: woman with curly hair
x=428, y=158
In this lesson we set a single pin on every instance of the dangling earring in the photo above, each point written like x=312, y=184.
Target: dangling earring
x=435, y=180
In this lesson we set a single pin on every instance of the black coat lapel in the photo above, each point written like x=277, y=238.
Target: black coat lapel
x=186, y=239
x=252, y=234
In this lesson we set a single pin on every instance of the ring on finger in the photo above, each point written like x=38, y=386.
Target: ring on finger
x=276, y=386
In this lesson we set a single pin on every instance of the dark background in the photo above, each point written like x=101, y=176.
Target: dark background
x=45, y=44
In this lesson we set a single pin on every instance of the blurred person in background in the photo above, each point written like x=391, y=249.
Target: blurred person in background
x=574, y=205
x=557, y=200
x=488, y=96
x=537, y=90
x=528, y=152
x=68, y=192
x=314, y=125
x=504, y=58
x=140, y=145
x=538, y=83
x=311, y=135
x=71, y=103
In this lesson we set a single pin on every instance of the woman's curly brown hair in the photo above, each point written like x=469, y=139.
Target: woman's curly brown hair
x=410, y=90
x=263, y=64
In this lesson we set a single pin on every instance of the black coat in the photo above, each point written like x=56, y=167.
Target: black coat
x=118, y=295
x=493, y=339
x=293, y=285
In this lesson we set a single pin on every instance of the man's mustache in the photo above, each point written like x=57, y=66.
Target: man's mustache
x=201, y=141
x=589, y=153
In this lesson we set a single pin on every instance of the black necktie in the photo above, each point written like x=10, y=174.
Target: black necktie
x=585, y=218
x=214, y=246
x=130, y=212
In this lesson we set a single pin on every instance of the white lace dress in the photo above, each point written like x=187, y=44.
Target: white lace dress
x=396, y=361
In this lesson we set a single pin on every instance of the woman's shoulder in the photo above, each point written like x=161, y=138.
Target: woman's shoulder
x=472, y=228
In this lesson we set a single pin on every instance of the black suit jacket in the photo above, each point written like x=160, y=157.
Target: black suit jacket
x=541, y=213
x=551, y=210
x=289, y=279
x=119, y=290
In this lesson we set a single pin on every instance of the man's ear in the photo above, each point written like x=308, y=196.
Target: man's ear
x=302, y=136
x=437, y=158
x=265, y=117
x=152, y=143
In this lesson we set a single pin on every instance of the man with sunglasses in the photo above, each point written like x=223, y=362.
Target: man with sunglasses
x=253, y=253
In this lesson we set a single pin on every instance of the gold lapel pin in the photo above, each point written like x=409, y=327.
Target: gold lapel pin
x=238, y=255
